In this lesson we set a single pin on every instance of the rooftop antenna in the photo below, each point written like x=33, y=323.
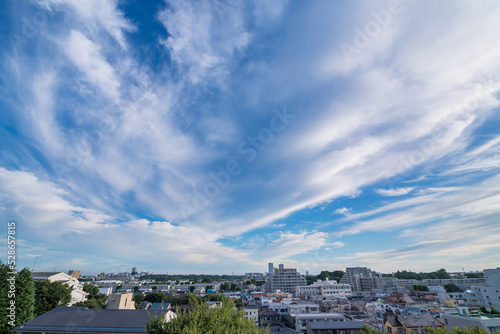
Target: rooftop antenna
x=36, y=258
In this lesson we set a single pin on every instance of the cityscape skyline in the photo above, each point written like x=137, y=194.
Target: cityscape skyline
x=216, y=137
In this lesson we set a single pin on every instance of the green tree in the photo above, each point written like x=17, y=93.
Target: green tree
x=203, y=320
x=155, y=297
x=214, y=297
x=493, y=310
x=331, y=275
x=138, y=299
x=450, y=287
x=50, y=295
x=192, y=288
x=420, y=287
x=207, y=280
x=456, y=330
x=224, y=287
x=25, y=297
x=442, y=274
x=4, y=300
x=474, y=275
x=368, y=330
x=94, y=298
x=90, y=303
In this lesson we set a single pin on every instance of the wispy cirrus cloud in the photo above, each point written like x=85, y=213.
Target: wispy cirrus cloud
x=394, y=192
x=125, y=115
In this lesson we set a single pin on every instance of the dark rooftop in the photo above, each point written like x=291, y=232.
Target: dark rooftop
x=336, y=325
x=84, y=320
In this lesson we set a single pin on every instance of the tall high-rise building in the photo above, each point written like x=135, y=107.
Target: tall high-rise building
x=285, y=280
x=281, y=266
x=134, y=271
x=270, y=267
x=361, y=279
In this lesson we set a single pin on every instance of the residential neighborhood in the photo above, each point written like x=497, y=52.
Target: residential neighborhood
x=279, y=301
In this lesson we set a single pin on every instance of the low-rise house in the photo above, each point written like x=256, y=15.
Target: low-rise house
x=412, y=323
x=269, y=318
x=80, y=320
x=106, y=291
x=77, y=293
x=343, y=327
x=252, y=313
x=281, y=330
x=490, y=323
x=160, y=306
x=300, y=320
x=399, y=299
x=120, y=301
x=214, y=304
x=303, y=308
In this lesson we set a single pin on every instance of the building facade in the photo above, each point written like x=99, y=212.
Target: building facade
x=325, y=290
x=284, y=280
x=361, y=279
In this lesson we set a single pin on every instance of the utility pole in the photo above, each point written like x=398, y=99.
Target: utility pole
x=36, y=258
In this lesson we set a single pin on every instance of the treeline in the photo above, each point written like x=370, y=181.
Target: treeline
x=194, y=278
x=331, y=275
x=188, y=298
x=438, y=274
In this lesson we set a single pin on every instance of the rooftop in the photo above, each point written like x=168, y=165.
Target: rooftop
x=336, y=325
x=83, y=320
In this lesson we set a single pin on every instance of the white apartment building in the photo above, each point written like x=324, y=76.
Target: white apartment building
x=252, y=313
x=325, y=290
x=489, y=294
x=284, y=280
x=303, y=308
x=281, y=307
x=361, y=279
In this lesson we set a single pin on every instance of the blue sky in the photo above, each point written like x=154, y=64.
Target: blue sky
x=218, y=136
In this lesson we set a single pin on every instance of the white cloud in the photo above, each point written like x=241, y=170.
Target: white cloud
x=394, y=192
x=95, y=15
x=203, y=38
x=344, y=211
x=87, y=57
x=413, y=98
x=480, y=200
